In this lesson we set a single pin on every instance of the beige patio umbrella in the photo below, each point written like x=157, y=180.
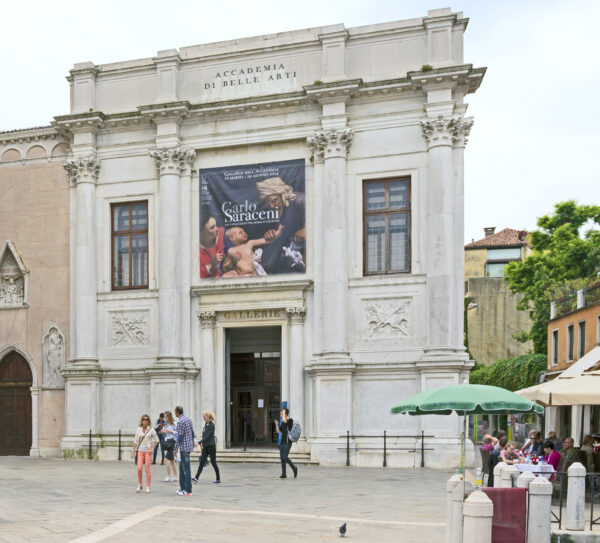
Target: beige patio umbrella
x=582, y=390
x=544, y=393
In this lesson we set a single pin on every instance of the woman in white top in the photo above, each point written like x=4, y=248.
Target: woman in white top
x=170, y=433
x=144, y=443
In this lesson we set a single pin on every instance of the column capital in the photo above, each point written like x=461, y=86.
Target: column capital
x=296, y=315
x=187, y=160
x=330, y=144
x=168, y=159
x=208, y=319
x=446, y=130
x=83, y=169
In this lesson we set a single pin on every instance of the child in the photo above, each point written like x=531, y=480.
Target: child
x=243, y=258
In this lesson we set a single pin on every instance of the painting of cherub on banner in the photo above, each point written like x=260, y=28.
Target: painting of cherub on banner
x=252, y=220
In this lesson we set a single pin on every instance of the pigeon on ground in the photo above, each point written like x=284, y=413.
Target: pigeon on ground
x=343, y=529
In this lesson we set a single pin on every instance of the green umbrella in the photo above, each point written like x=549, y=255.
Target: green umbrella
x=466, y=400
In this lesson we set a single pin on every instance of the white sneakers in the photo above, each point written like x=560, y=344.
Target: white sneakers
x=167, y=479
x=139, y=488
x=147, y=490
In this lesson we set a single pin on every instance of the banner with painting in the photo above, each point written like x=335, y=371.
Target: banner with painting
x=252, y=220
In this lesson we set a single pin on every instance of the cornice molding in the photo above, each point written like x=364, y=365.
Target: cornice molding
x=28, y=135
x=171, y=111
x=80, y=122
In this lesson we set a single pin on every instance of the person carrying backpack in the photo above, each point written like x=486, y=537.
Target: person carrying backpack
x=288, y=433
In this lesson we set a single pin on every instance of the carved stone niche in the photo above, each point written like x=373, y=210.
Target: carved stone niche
x=14, y=278
x=53, y=348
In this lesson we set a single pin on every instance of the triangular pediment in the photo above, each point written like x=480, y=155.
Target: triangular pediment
x=11, y=263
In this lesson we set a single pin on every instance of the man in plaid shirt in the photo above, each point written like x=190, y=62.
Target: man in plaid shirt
x=185, y=445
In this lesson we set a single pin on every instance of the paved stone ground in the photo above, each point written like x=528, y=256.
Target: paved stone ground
x=54, y=500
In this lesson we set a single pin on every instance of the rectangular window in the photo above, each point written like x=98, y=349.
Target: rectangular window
x=129, y=245
x=386, y=215
x=581, y=338
x=496, y=269
x=554, y=346
x=570, y=342
x=513, y=253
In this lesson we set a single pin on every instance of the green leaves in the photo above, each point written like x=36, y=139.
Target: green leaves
x=562, y=253
x=512, y=374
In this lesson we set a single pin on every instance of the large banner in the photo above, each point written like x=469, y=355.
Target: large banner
x=252, y=220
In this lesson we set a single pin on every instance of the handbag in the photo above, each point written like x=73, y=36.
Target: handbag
x=136, y=449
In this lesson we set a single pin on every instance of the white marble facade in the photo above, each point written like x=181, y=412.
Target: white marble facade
x=357, y=104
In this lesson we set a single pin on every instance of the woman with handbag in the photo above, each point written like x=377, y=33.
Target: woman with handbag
x=170, y=434
x=144, y=443
x=209, y=446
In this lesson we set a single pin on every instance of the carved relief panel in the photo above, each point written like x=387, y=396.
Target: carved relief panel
x=13, y=278
x=129, y=328
x=386, y=318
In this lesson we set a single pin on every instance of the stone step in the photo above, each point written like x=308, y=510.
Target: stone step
x=259, y=456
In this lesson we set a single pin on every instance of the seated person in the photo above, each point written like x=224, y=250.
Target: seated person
x=587, y=446
x=569, y=453
x=488, y=443
x=551, y=456
x=555, y=441
x=509, y=455
x=533, y=445
x=243, y=258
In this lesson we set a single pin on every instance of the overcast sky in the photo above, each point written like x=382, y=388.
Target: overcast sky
x=537, y=113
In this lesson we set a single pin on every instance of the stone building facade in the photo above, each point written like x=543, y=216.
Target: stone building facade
x=34, y=289
x=372, y=312
x=493, y=318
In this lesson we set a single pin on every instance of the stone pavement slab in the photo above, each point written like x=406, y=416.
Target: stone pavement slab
x=63, y=500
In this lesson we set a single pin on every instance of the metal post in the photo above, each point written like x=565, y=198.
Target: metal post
x=422, y=449
x=384, y=449
x=90, y=446
x=245, y=434
x=119, y=444
x=347, y=447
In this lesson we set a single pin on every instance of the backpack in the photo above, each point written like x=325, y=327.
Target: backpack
x=294, y=433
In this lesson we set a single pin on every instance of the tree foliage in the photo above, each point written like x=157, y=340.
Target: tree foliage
x=562, y=253
x=512, y=374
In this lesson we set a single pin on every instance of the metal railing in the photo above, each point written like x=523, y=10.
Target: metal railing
x=385, y=447
x=560, y=483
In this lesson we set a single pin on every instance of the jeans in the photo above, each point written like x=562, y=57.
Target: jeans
x=143, y=458
x=185, y=472
x=162, y=452
x=209, y=450
x=284, y=451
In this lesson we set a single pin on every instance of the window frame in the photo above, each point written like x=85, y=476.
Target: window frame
x=554, y=352
x=129, y=233
x=580, y=347
x=570, y=354
x=386, y=212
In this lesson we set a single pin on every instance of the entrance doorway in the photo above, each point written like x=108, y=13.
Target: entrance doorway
x=254, y=385
x=15, y=403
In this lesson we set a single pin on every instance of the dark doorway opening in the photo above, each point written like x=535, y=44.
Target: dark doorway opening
x=15, y=403
x=254, y=385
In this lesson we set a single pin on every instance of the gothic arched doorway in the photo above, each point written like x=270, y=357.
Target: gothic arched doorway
x=15, y=405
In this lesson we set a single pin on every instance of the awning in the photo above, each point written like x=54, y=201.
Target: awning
x=582, y=390
x=549, y=393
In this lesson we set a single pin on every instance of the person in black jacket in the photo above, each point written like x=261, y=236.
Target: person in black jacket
x=209, y=446
x=283, y=426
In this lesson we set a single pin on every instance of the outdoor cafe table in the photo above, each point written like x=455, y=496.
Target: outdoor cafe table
x=545, y=470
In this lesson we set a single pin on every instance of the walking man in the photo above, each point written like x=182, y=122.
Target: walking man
x=284, y=425
x=185, y=445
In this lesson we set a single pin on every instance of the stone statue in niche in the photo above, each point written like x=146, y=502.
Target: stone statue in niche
x=387, y=319
x=11, y=291
x=54, y=357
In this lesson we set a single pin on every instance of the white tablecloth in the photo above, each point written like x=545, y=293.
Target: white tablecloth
x=545, y=470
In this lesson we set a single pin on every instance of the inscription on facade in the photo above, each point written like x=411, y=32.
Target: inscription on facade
x=256, y=314
x=250, y=75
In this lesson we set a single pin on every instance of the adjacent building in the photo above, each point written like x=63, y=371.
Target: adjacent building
x=34, y=290
x=492, y=317
x=267, y=220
